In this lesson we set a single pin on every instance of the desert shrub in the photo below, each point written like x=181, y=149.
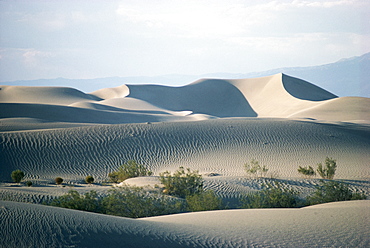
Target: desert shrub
x=58, y=180
x=29, y=183
x=182, y=182
x=73, y=200
x=273, y=195
x=306, y=171
x=129, y=170
x=332, y=191
x=254, y=168
x=89, y=179
x=203, y=201
x=135, y=202
x=17, y=176
x=329, y=171
x=113, y=176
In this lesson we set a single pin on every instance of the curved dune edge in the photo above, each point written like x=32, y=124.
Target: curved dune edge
x=346, y=225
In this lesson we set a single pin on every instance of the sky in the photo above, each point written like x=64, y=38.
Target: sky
x=94, y=39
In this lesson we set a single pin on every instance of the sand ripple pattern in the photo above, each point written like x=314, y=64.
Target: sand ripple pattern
x=46, y=226
x=221, y=146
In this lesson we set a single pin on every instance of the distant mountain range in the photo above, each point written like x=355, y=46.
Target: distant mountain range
x=346, y=77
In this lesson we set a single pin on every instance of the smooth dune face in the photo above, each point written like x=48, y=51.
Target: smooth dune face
x=109, y=93
x=303, y=90
x=42, y=95
x=213, y=97
x=340, y=224
x=280, y=95
x=356, y=109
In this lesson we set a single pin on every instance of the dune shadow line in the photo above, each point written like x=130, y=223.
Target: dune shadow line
x=214, y=97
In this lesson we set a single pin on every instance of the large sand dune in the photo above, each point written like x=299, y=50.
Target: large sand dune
x=274, y=96
x=340, y=224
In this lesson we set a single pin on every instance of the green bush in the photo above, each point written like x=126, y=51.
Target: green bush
x=273, y=195
x=254, y=168
x=181, y=183
x=332, y=191
x=17, y=176
x=128, y=170
x=29, y=183
x=134, y=202
x=203, y=201
x=113, y=176
x=89, y=179
x=329, y=171
x=307, y=171
x=73, y=200
x=58, y=180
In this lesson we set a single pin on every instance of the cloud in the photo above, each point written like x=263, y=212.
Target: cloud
x=235, y=18
x=138, y=37
x=327, y=4
x=33, y=57
x=185, y=18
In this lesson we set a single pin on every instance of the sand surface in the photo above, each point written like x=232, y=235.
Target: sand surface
x=340, y=224
x=214, y=126
x=220, y=146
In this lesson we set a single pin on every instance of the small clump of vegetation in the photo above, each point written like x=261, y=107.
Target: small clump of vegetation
x=332, y=191
x=89, y=179
x=128, y=170
x=73, y=200
x=182, y=182
x=29, y=183
x=17, y=176
x=58, y=180
x=132, y=202
x=273, y=195
x=307, y=171
x=204, y=201
x=135, y=202
x=255, y=169
x=328, y=171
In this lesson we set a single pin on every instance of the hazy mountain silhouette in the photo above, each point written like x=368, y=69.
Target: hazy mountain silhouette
x=346, y=77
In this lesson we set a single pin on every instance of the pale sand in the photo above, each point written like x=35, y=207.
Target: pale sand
x=214, y=126
x=340, y=224
x=221, y=146
x=274, y=96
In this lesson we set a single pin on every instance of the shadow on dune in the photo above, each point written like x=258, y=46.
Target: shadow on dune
x=57, y=113
x=209, y=96
x=304, y=90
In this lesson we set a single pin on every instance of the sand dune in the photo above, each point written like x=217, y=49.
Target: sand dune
x=43, y=95
x=222, y=146
x=214, y=126
x=346, y=225
x=109, y=93
x=274, y=96
x=281, y=95
x=213, y=97
x=356, y=109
